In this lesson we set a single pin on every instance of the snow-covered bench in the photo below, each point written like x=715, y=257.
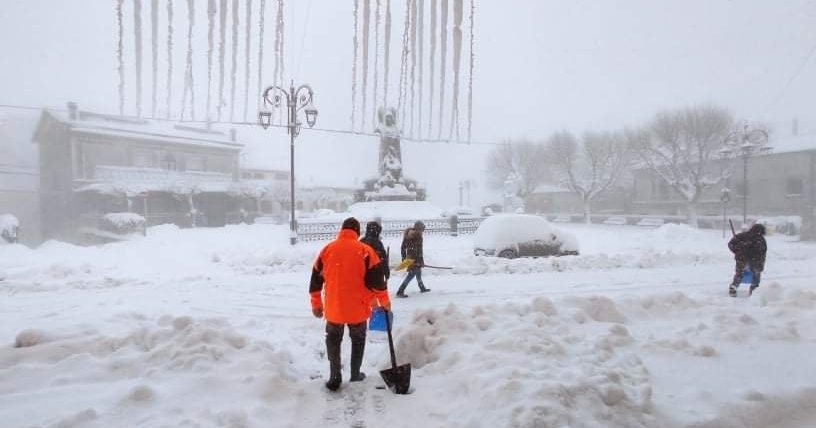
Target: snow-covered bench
x=651, y=222
x=617, y=220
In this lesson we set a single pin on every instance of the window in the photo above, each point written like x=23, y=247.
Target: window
x=169, y=162
x=258, y=176
x=794, y=186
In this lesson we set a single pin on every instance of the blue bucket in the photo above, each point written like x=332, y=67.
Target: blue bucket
x=747, y=276
x=377, y=320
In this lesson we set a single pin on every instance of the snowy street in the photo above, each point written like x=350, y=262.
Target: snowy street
x=211, y=327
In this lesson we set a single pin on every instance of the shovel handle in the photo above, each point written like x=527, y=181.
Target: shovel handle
x=390, y=340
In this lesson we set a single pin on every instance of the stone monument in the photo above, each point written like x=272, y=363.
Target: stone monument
x=391, y=184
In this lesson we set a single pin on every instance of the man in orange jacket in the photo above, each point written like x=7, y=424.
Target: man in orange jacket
x=346, y=277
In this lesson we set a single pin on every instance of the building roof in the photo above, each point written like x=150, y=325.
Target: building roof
x=167, y=132
x=792, y=143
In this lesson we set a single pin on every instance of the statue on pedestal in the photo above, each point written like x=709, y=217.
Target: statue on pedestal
x=391, y=185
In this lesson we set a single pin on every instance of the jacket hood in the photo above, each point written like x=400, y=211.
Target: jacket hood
x=373, y=229
x=757, y=229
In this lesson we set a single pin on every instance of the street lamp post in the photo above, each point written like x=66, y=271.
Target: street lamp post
x=725, y=196
x=745, y=143
x=296, y=100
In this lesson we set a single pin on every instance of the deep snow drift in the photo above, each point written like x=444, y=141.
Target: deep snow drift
x=211, y=327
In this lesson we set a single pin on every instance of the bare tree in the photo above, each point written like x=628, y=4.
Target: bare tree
x=524, y=159
x=590, y=166
x=681, y=146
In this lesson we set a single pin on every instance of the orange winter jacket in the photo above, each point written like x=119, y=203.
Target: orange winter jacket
x=345, y=279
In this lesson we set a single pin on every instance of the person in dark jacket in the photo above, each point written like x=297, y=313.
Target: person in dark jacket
x=411, y=248
x=372, y=239
x=749, y=250
x=345, y=281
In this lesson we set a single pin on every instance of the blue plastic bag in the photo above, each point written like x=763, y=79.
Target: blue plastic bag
x=377, y=320
x=747, y=275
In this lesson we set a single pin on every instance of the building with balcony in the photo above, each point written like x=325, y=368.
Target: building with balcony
x=92, y=164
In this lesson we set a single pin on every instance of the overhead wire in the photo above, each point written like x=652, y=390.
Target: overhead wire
x=243, y=123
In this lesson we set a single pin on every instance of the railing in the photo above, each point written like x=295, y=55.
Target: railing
x=309, y=230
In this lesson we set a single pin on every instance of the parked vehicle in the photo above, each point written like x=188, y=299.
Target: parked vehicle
x=521, y=235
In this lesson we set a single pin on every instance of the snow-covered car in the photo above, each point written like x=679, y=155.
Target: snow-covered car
x=521, y=235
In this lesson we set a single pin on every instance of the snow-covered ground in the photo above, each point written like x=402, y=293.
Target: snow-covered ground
x=212, y=328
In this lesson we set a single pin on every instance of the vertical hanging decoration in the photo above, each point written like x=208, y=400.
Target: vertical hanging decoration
x=413, y=48
x=137, y=31
x=366, y=27
x=234, y=57
x=120, y=60
x=260, y=49
x=387, y=52
x=421, y=56
x=169, y=57
x=434, y=7
x=222, y=49
x=354, y=67
x=470, y=75
x=210, y=29
x=376, y=60
x=154, y=51
x=247, y=37
x=188, y=69
x=457, y=58
x=443, y=52
x=279, y=53
x=403, y=81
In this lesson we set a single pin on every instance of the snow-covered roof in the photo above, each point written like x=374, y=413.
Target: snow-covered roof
x=154, y=130
x=792, y=143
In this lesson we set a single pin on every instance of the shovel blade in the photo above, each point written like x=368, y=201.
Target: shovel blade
x=398, y=379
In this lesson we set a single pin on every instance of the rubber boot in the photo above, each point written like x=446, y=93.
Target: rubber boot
x=333, y=353
x=357, y=351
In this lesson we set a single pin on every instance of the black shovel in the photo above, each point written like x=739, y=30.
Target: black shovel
x=397, y=378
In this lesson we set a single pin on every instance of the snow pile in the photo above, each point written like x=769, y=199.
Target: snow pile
x=645, y=360
x=169, y=370
x=674, y=232
x=124, y=222
x=528, y=365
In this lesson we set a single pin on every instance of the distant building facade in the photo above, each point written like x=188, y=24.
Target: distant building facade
x=92, y=164
x=779, y=183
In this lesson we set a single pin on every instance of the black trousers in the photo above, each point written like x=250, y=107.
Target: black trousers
x=738, y=268
x=334, y=337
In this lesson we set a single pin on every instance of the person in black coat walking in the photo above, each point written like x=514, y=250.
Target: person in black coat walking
x=749, y=250
x=411, y=248
x=372, y=239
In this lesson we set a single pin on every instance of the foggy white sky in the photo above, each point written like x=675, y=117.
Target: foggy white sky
x=541, y=65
